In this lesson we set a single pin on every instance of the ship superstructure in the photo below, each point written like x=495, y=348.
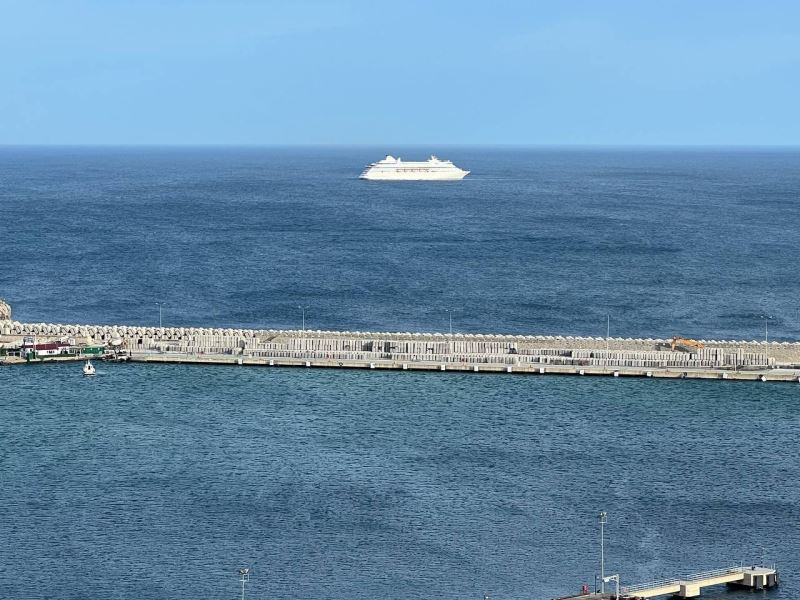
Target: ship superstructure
x=395, y=169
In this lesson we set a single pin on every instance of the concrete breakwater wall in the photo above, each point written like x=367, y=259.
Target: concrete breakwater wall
x=444, y=348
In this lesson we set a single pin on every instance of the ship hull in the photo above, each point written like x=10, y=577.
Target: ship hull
x=453, y=175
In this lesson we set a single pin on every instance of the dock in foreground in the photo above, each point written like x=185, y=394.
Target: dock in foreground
x=689, y=586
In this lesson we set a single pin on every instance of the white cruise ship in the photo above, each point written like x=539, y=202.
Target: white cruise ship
x=394, y=169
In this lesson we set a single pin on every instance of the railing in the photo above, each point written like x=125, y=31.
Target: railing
x=694, y=577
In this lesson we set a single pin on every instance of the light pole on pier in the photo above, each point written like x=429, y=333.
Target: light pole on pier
x=450, y=315
x=160, y=304
x=766, y=335
x=603, y=521
x=244, y=577
x=303, y=309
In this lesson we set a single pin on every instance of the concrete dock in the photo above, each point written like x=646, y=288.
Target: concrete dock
x=755, y=577
x=478, y=353
x=689, y=586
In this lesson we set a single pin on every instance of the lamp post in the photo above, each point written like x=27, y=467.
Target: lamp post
x=766, y=335
x=303, y=309
x=608, y=335
x=160, y=304
x=244, y=577
x=603, y=521
x=450, y=315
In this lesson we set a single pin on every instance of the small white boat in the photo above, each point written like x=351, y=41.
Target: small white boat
x=88, y=368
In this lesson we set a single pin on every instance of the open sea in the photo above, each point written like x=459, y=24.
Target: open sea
x=159, y=481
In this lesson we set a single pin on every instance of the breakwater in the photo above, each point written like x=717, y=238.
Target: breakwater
x=429, y=351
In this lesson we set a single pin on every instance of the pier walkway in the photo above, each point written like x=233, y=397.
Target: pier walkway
x=480, y=365
x=480, y=353
x=691, y=585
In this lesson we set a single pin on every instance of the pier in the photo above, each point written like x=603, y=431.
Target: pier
x=689, y=586
x=476, y=353
x=755, y=577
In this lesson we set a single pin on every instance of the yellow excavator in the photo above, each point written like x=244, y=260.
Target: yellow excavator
x=686, y=345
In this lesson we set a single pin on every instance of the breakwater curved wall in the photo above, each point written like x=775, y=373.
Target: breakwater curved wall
x=414, y=346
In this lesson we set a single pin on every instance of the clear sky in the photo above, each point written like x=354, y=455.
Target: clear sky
x=400, y=72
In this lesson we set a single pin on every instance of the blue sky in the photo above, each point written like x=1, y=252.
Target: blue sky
x=400, y=72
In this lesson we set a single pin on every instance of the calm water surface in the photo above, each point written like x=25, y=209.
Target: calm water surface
x=159, y=481
x=689, y=242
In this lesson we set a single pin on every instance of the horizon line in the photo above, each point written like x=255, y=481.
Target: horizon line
x=395, y=145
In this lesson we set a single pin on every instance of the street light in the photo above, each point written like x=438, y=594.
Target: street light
x=766, y=335
x=603, y=521
x=244, y=577
x=608, y=335
x=450, y=314
x=160, y=304
x=303, y=308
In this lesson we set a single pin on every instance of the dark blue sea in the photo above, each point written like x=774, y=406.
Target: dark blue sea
x=155, y=482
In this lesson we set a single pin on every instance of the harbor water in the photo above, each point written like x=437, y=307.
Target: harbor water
x=696, y=243
x=159, y=481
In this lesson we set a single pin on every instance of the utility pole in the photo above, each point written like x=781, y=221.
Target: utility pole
x=244, y=577
x=603, y=521
x=766, y=335
x=303, y=308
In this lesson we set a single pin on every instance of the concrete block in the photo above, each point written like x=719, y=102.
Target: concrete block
x=689, y=590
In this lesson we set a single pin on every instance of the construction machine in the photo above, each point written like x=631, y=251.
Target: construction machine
x=686, y=345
